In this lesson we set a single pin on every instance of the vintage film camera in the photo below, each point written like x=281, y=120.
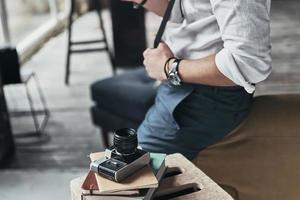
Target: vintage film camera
x=123, y=158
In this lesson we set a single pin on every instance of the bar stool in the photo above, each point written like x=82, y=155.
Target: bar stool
x=95, y=5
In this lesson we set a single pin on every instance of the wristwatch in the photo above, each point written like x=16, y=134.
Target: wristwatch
x=173, y=74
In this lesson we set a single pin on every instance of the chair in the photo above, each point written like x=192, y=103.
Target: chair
x=11, y=74
x=122, y=101
x=95, y=5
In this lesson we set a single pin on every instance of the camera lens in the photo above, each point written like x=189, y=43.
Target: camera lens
x=125, y=141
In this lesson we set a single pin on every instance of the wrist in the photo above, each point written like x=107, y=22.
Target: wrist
x=180, y=68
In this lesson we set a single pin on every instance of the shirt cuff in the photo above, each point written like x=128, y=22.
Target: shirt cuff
x=227, y=66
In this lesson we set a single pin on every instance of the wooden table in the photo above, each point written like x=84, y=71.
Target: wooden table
x=183, y=181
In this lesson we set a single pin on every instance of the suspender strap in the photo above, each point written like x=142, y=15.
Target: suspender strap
x=163, y=24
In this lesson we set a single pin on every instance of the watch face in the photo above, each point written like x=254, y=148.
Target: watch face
x=174, y=79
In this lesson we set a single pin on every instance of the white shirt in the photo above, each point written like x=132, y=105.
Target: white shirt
x=238, y=31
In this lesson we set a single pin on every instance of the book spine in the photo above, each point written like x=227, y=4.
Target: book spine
x=151, y=192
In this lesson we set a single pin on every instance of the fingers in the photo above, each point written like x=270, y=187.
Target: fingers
x=145, y=63
x=162, y=45
x=146, y=52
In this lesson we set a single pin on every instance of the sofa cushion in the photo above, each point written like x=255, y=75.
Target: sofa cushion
x=109, y=121
x=128, y=95
x=260, y=159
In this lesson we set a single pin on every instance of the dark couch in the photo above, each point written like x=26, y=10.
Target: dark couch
x=122, y=101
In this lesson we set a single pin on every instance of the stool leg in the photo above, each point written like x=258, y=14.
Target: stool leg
x=105, y=137
x=110, y=55
x=32, y=109
x=69, y=44
x=43, y=101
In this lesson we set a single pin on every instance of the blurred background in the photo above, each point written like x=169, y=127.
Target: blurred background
x=56, y=100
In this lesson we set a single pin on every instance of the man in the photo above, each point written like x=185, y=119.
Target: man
x=209, y=63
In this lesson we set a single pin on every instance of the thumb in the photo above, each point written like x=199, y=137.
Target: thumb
x=161, y=45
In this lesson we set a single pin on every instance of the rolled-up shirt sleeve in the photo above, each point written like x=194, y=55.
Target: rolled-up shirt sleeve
x=245, y=31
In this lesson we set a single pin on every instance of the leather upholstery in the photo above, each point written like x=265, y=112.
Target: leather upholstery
x=123, y=99
x=260, y=159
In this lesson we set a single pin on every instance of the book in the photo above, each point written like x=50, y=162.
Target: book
x=90, y=185
x=159, y=168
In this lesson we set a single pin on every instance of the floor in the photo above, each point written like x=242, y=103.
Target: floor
x=48, y=164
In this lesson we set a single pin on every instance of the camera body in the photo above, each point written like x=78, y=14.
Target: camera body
x=117, y=167
x=122, y=159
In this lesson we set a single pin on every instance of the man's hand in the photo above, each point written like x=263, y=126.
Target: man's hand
x=155, y=59
x=157, y=6
x=134, y=1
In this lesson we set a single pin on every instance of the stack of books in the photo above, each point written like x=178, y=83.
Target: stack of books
x=139, y=186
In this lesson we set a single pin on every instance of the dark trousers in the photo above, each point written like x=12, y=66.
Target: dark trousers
x=208, y=114
x=189, y=118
